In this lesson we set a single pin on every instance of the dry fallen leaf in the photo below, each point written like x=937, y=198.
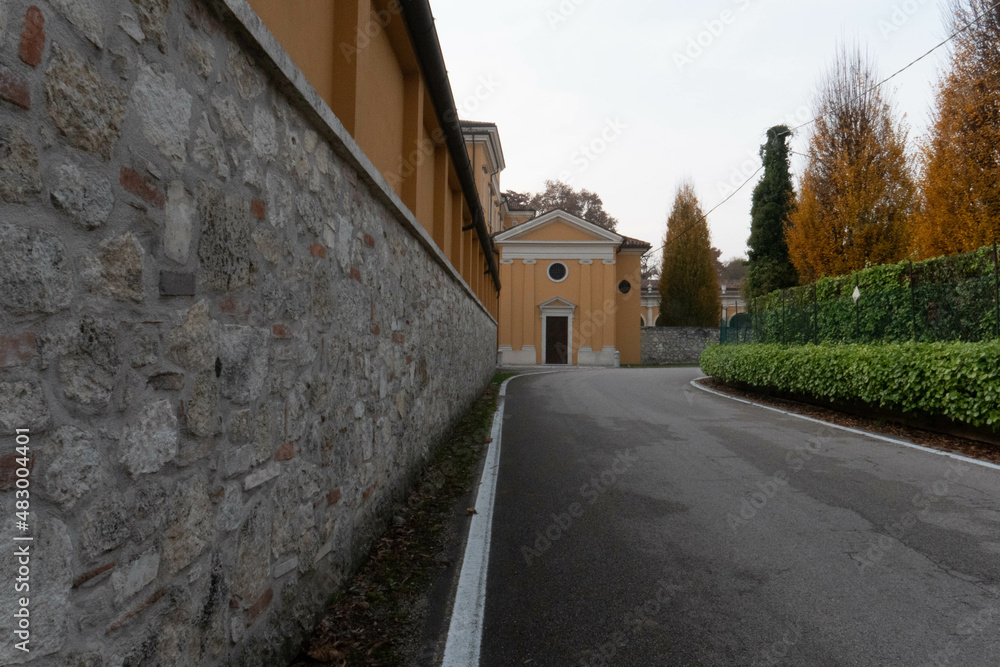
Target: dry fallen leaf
x=325, y=654
x=471, y=511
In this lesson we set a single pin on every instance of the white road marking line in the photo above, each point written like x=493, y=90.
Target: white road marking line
x=465, y=632
x=876, y=436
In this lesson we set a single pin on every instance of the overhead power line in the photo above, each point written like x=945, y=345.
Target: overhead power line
x=874, y=87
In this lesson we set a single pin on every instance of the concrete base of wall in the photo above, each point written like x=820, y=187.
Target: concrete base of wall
x=525, y=357
x=508, y=358
x=607, y=357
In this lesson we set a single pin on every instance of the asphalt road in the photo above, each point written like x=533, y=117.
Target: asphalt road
x=640, y=521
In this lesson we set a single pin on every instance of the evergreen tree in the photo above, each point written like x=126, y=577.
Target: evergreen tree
x=960, y=179
x=857, y=195
x=689, y=284
x=769, y=267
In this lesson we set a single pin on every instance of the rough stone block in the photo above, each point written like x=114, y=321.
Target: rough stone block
x=230, y=509
x=231, y=119
x=181, y=216
x=153, y=20
x=191, y=533
x=23, y=405
x=20, y=177
x=281, y=569
x=177, y=284
x=207, y=149
x=36, y=275
x=145, y=349
x=116, y=271
x=130, y=25
x=151, y=440
x=105, y=526
x=244, y=362
x=86, y=381
x=246, y=77
x=252, y=574
x=84, y=15
x=200, y=55
x=272, y=249
x=86, y=109
x=236, y=460
x=32, y=37
x=192, y=343
x=132, y=578
x=201, y=409
x=261, y=476
x=84, y=194
x=224, y=248
x=76, y=467
x=165, y=112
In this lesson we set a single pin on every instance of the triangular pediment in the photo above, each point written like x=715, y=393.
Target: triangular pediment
x=557, y=303
x=558, y=227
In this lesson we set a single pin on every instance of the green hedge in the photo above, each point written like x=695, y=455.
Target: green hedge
x=960, y=381
x=941, y=299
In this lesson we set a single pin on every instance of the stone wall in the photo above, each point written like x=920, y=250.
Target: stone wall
x=676, y=345
x=231, y=343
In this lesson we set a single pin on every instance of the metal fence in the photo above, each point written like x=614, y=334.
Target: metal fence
x=953, y=298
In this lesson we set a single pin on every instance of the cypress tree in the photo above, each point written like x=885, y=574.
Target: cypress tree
x=689, y=284
x=769, y=267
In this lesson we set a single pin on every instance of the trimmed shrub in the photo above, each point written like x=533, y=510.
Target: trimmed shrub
x=958, y=381
x=941, y=299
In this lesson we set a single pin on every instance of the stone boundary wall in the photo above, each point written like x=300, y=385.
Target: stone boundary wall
x=232, y=344
x=676, y=345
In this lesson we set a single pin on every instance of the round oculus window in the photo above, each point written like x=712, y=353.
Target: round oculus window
x=624, y=287
x=558, y=272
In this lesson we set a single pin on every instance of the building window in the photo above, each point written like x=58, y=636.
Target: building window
x=624, y=287
x=558, y=272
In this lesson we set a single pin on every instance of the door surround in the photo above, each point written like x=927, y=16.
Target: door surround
x=557, y=307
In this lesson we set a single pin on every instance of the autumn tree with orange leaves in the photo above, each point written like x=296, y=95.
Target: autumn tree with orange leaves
x=960, y=179
x=857, y=194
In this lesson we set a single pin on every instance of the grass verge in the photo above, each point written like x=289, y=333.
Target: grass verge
x=379, y=617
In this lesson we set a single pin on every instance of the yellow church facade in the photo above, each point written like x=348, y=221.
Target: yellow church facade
x=571, y=293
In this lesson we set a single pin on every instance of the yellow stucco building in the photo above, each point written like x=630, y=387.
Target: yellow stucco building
x=730, y=296
x=571, y=293
x=387, y=85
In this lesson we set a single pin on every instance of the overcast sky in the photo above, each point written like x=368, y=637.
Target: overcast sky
x=629, y=80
